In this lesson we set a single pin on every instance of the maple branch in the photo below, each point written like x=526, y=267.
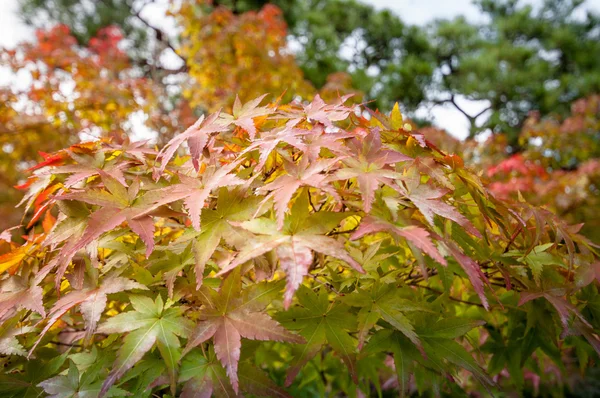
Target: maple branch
x=450, y=297
x=310, y=201
x=342, y=232
x=65, y=344
x=512, y=238
x=326, y=284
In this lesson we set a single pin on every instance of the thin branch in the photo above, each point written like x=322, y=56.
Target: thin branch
x=161, y=37
x=65, y=344
x=326, y=284
x=450, y=297
x=487, y=108
x=453, y=102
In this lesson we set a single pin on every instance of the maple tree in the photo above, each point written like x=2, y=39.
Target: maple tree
x=302, y=248
x=75, y=93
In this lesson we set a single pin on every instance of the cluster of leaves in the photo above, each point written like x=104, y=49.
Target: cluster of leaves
x=303, y=249
x=69, y=93
x=557, y=166
x=83, y=85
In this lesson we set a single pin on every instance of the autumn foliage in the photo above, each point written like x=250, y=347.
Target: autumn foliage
x=250, y=50
x=558, y=165
x=295, y=243
x=307, y=248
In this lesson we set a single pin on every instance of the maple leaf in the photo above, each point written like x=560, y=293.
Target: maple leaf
x=257, y=382
x=6, y=235
x=137, y=149
x=316, y=139
x=232, y=206
x=71, y=385
x=9, y=345
x=369, y=163
x=395, y=124
x=320, y=321
x=473, y=271
x=269, y=140
x=197, y=136
x=17, y=293
x=232, y=314
x=86, y=168
x=36, y=185
x=403, y=351
x=536, y=259
x=310, y=142
x=563, y=307
x=195, y=191
x=14, y=257
x=204, y=378
x=427, y=199
x=382, y=301
x=91, y=301
x=302, y=174
x=438, y=348
x=150, y=322
x=243, y=115
x=434, y=170
x=319, y=111
x=416, y=235
x=25, y=384
x=302, y=234
x=119, y=204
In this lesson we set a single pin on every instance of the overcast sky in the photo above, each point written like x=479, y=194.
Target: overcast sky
x=12, y=31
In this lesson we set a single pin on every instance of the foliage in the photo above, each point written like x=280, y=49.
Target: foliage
x=102, y=85
x=557, y=165
x=293, y=238
x=519, y=58
x=73, y=94
x=249, y=49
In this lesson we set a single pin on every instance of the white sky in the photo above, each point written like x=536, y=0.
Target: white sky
x=13, y=30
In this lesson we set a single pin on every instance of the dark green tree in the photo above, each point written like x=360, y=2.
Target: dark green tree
x=522, y=60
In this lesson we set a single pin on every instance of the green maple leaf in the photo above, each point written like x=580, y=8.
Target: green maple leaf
x=320, y=321
x=302, y=234
x=382, y=301
x=150, y=322
x=232, y=206
x=403, y=351
x=204, y=377
x=443, y=351
x=76, y=385
x=25, y=384
x=233, y=313
x=9, y=345
x=536, y=259
x=439, y=351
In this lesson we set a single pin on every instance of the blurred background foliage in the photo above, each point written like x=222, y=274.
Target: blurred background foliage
x=102, y=68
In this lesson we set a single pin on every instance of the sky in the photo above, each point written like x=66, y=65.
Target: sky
x=419, y=12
